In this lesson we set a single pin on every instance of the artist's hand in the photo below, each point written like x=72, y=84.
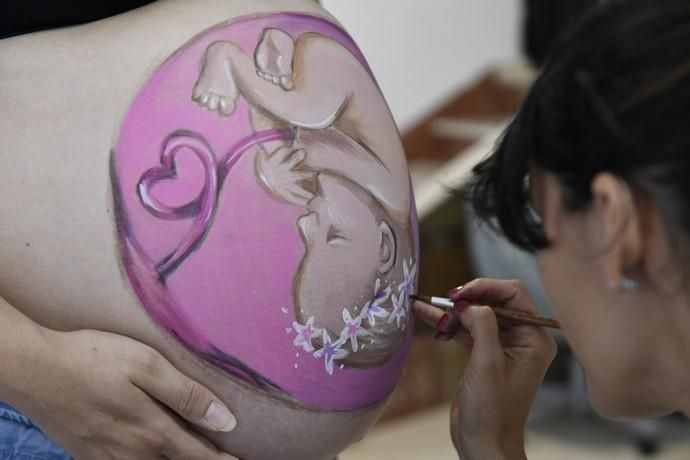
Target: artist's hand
x=280, y=173
x=506, y=366
x=105, y=396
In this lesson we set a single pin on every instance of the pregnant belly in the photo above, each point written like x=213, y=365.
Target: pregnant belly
x=102, y=229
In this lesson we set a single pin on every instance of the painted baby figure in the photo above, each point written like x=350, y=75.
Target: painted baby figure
x=303, y=70
x=314, y=83
x=265, y=213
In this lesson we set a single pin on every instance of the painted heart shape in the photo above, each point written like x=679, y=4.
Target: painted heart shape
x=201, y=208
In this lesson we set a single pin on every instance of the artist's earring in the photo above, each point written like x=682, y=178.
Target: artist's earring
x=627, y=284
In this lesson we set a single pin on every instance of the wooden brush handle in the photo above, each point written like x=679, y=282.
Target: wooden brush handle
x=526, y=318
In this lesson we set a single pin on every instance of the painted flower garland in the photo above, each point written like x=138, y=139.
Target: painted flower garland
x=348, y=341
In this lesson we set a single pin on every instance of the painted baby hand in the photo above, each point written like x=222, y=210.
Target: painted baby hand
x=273, y=58
x=216, y=89
x=280, y=174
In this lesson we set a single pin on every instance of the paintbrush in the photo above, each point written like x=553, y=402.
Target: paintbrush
x=504, y=313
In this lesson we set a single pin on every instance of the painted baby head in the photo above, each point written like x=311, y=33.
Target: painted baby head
x=348, y=282
x=299, y=292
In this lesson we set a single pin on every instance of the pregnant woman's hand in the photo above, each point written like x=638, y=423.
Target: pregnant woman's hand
x=105, y=396
x=506, y=366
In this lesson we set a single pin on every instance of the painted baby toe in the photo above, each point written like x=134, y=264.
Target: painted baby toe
x=287, y=82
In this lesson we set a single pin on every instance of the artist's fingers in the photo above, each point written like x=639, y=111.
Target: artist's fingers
x=447, y=324
x=487, y=291
x=428, y=313
x=451, y=327
x=462, y=337
x=481, y=323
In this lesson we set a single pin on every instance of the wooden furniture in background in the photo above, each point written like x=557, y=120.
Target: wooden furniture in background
x=444, y=140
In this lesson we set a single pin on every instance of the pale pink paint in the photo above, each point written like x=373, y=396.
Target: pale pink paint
x=232, y=291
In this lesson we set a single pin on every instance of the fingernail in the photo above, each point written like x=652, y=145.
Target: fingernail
x=461, y=305
x=454, y=292
x=219, y=418
x=442, y=321
x=442, y=336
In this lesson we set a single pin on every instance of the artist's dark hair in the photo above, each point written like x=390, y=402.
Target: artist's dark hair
x=613, y=96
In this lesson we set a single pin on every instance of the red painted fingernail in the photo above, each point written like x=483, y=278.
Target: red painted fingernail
x=442, y=321
x=440, y=335
x=454, y=292
x=461, y=305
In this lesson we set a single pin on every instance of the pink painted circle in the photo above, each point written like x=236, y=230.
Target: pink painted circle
x=227, y=295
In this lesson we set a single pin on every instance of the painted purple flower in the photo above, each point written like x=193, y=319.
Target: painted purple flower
x=399, y=309
x=330, y=351
x=352, y=330
x=373, y=308
x=409, y=275
x=305, y=332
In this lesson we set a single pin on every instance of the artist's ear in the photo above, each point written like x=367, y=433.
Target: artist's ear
x=387, y=248
x=617, y=222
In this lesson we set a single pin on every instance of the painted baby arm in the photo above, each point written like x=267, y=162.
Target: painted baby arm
x=329, y=150
x=274, y=79
x=288, y=171
x=281, y=173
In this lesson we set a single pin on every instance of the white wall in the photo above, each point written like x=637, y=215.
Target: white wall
x=422, y=50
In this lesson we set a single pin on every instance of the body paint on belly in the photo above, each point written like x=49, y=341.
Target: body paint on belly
x=265, y=212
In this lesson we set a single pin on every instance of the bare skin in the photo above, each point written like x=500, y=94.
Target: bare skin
x=131, y=401
x=63, y=94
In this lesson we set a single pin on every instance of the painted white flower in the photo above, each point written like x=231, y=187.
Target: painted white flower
x=352, y=330
x=373, y=308
x=331, y=351
x=305, y=332
x=399, y=309
x=409, y=275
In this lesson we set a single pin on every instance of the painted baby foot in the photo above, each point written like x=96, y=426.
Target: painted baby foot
x=273, y=58
x=216, y=89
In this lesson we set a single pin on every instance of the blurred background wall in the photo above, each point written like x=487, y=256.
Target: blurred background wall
x=421, y=51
